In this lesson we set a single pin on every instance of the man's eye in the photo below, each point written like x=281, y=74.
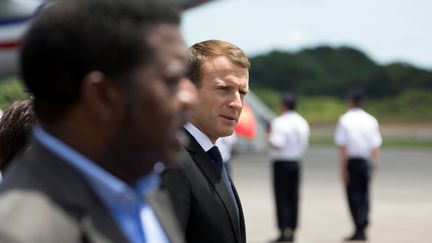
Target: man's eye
x=223, y=88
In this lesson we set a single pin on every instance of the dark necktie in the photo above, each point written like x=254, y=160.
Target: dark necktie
x=216, y=156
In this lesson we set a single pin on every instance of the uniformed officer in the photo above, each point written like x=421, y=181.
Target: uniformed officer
x=288, y=141
x=359, y=139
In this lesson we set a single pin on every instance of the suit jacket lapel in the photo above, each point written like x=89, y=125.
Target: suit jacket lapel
x=159, y=202
x=209, y=169
x=241, y=216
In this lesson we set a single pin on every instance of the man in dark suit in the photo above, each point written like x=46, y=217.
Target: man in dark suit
x=105, y=77
x=205, y=198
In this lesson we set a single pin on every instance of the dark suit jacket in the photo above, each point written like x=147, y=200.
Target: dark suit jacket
x=45, y=200
x=205, y=209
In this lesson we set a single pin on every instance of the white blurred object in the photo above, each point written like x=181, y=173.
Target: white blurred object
x=226, y=145
x=15, y=16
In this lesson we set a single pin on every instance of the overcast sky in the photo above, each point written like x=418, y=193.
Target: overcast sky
x=386, y=30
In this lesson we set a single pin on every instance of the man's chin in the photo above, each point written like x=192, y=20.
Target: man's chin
x=227, y=132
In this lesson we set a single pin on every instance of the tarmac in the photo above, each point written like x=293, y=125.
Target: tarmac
x=401, y=198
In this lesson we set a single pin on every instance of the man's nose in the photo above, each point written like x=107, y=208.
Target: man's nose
x=237, y=101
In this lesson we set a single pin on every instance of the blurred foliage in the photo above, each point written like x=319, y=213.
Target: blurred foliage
x=332, y=71
x=270, y=97
x=409, y=106
x=315, y=109
x=11, y=89
x=321, y=109
x=399, y=142
x=321, y=76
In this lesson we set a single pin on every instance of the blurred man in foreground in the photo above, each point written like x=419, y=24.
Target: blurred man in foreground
x=206, y=200
x=105, y=79
x=359, y=139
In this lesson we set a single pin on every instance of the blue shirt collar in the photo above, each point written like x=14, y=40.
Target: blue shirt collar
x=100, y=179
x=124, y=202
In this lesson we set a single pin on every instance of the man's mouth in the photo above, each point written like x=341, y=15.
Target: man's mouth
x=229, y=118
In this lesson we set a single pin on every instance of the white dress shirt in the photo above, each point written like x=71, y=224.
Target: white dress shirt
x=289, y=137
x=359, y=132
x=201, y=138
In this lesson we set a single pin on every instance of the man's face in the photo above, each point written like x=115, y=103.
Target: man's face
x=155, y=103
x=221, y=94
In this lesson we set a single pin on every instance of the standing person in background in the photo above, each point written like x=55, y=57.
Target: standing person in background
x=359, y=139
x=106, y=80
x=205, y=199
x=288, y=141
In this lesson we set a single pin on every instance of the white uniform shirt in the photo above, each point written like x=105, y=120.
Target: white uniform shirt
x=290, y=132
x=226, y=145
x=359, y=132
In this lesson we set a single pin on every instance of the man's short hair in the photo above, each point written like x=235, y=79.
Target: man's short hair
x=289, y=100
x=15, y=126
x=70, y=38
x=356, y=96
x=199, y=52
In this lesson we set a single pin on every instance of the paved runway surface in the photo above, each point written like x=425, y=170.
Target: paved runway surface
x=401, y=198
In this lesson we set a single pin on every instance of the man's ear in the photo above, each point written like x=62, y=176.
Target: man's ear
x=100, y=97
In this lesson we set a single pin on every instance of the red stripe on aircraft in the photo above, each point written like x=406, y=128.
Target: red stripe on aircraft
x=9, y=44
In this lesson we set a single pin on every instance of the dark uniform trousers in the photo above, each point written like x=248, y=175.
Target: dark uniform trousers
x=358, y=191
x=286, y=179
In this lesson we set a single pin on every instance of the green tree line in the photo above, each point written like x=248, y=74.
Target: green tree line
x=332, y=71
x=321, y=76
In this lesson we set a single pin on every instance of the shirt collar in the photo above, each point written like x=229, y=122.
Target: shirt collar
x=107, y=186
x=355, y=109
x=288, y=112
x=201, y=138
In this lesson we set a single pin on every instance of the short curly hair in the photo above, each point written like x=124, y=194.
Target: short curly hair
x=15, y=127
